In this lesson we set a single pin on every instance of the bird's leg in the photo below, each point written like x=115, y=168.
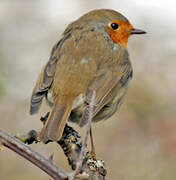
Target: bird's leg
x=92, y=145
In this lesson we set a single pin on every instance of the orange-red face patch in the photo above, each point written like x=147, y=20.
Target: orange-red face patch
x=119, y=31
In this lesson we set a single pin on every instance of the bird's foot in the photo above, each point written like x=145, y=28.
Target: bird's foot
x=93, y=155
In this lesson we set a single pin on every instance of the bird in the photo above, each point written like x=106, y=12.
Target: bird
x=91, y=56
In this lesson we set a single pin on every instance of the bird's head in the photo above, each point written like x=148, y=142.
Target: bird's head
x=110, y=22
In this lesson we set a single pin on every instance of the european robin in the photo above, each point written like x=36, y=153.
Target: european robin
x=90, y=57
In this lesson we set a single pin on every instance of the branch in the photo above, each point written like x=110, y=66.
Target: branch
x=84, y=165
x=84, y=143
x=25, y=151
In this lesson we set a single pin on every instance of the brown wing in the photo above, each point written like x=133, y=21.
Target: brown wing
x=109, y=84
x=45, y=77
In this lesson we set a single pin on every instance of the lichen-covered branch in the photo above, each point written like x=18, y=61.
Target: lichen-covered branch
x=84, y=166
x=71, y=145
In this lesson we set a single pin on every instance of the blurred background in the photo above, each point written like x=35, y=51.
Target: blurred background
x=138, y=142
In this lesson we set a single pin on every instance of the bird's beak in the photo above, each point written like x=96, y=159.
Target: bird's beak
x=137, y=31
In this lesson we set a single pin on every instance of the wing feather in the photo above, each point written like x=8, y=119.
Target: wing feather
x=108, y=84
x=45, y=77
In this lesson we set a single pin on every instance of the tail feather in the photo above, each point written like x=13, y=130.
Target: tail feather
x=57, y=119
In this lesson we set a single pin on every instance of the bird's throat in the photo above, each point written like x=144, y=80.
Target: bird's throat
x=121, y=38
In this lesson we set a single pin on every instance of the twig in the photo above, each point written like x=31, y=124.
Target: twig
x=84, y=142
x=86, y=166
x=25, y=151
x=92, y=169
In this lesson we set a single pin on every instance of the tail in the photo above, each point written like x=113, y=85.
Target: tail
x=57, y=119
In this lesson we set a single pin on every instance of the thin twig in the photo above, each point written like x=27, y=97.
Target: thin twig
x=40, y=161
x=84, y=142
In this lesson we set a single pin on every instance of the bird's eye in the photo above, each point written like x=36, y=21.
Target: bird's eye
x=114, y=26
